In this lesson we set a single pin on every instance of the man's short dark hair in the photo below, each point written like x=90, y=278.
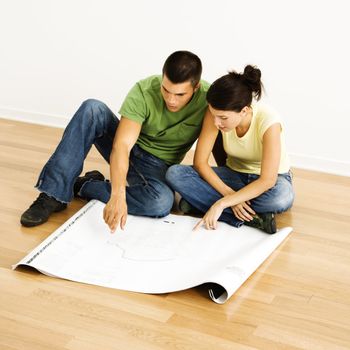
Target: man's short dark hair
x=182, y=66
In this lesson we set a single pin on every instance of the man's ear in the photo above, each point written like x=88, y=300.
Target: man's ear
x=197, y=87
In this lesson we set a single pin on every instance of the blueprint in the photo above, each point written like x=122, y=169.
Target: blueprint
x=152, y=255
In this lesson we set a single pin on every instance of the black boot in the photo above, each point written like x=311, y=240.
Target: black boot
x=187, y=208
x=90, y=175
x=40, y=210
x=265, y=222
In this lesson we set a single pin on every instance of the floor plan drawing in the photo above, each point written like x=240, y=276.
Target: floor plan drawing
x=152, y=255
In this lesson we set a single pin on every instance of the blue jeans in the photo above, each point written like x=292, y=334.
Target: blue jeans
x=196, y=191
x=94, y=123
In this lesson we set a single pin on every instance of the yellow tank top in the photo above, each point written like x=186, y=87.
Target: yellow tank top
x=244, y=153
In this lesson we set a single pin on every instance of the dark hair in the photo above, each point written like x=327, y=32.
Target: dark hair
x=182, y=66
x=234, y=91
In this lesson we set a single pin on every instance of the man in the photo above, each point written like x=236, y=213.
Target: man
x=161, y=118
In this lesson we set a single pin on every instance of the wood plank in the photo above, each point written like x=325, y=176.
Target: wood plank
x=298, y=299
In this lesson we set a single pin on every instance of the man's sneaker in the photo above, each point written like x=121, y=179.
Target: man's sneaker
x=187, y=208
x=40, y=210
x=90, y=175
x=265, y=222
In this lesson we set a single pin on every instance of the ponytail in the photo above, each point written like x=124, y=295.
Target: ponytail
x=234, y=91
x=252, y=77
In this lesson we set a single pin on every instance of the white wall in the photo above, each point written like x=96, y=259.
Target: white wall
x=55, y=54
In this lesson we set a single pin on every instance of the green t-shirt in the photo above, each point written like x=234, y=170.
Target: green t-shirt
x=167, y=135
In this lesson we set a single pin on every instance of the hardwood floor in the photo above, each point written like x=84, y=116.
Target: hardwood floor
x=298, y=299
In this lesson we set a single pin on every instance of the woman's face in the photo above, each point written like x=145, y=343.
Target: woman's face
x=226, y=120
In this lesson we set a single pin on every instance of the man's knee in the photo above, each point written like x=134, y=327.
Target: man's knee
x=93, y=109
x=93, y=113
x=93, y=104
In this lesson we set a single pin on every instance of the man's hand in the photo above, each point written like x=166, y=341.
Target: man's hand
x=243, y=211
x=115, y=213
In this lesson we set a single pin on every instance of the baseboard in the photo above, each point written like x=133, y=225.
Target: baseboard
x=297, y=160
x=34, y=117
x=320, y=164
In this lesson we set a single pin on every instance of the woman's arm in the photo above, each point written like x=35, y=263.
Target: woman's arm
x=268, y=176
x=269, y=169
x=204, y=147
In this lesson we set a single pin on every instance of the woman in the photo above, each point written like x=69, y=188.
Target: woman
x=256, y=181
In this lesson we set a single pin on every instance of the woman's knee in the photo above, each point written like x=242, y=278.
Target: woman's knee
x=160, y=200
x=285, y=195
x=285, y=201
x=274, y=201
x=176, y=175
x=174, y=172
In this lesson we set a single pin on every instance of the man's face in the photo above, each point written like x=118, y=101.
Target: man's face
x=176, y=96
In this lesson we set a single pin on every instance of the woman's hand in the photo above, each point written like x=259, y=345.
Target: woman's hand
x=243, y=211
x=115, y=213
x=211, y=217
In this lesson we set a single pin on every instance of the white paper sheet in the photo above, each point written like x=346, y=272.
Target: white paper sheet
x=152, y=255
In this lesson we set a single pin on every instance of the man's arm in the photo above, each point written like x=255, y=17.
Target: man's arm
x=116, y=211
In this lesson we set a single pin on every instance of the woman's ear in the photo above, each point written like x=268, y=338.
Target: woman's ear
x=245, y=110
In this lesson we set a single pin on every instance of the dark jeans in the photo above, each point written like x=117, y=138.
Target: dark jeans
x=147, y=194
x=197, y=192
